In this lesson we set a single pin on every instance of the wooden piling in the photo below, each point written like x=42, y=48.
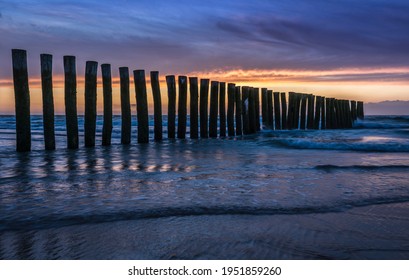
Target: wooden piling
x=245, y=110
x=328, y=122
x=126, y=120
x=257, y=104
x=317, y=117
x=349, y=113
x=90, y=93
x=297, y=110
x=194, y=107
x=70, y=96
x=277, y=113
x=214, y=104
x=353, y=110
x=310, y=116
x=141, y=106
x=264, y=106
x=222, y=109
x=204, y=101
x=182, y=107
x=239, y=117
x=360, y=110
x=270, y=110
x=303, y=110
x=323, y=113
x=283, y=111
x=22, y=100
x=252, y=111
x=171, y=84
x=291, y=108
x=48, y=100
x=157, y=105
x=230, y=109
x=107, y=93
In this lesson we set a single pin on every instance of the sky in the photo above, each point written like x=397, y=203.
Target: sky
x=344, y=49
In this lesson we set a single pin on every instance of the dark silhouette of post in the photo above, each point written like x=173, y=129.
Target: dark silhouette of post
x=107, y=93
x=291, y=108
x=70, y=96
x=214, y=98
x=239, y=121
x=270, y=108
x=22, y=100
x=48, y=100
x=230, y=109
x=257, y=104
x=182, y=109
x=264, y=107
x=126, y=120
x=283, y=111
x=303, y=110
x=310, y=117
x=328, y=115
x=245, y=110
x=353, y=110
x=298, y=97
x=317, y=112
x=90, y=114
x=323, y=113
x=252, y=110
x=171, y=83
x=360, y=110
x=141, y=106
x=277, y=113
x=204, y=101
x=157, y=105
x=222, y=108
x=194, y=107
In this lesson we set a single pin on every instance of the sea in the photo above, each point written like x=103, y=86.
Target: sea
x=299, y=194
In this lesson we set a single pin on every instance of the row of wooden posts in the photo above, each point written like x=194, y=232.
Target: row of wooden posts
x=243, y=106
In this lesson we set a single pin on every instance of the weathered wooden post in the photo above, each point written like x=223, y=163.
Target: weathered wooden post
x=349, y=113
x=70, y=96
x=22, y=100
x=291, y=108
x=252, y=111
x=360, y=110
x=338, y=115
x=245, y=110
x=298, y=97
x=310, y=117
x=222, y=108
x=277, y=113
x=328, y=115
x=157, y=105
x=270, y=109
x=334, y=120
x=239, y=122
x=353, y=110
x=141, y=106
x=126, y=121
x=90, y=93
x=194, y=107
x=214, y=98
x=283, y=111
x=48, y=100
x=264, y=101
x=230, y=109
x=257, y=104
x=317, y=112
x=204, y=100
x=182, y=107
x=107, y=93
x=303, y=110
x=323, y=113
x=171, y=83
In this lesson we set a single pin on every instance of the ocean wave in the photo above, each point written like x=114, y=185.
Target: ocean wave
x=55, y=221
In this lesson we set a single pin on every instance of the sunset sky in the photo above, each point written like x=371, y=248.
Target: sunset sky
x=346, y=49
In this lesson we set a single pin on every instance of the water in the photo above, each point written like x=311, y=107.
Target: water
x=336, y=194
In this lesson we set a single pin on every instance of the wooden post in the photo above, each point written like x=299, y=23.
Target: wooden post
x=360, y=110
x=310, y=117
x=107, y=93
x=323, y=113
x=204, y=100
x=22, y=100
x=171, y=83
x=303, y=110
x=90, y=114
x=70, y=95
x=353, y=110
x=334, y=114
x=182, y=109
x=277, y=113
x=317, y=112
x=194, y=107
x=328, y=121
x=245, y=110
x=214, y=98
x=338, y=114
x=222, y=109
x=252, y=111
x=125, y=106
x=157, y=105
x=291, y=108
x=230, y=109
x=349, y=113
x=264, y=106
x=298, y=97
x=283, y=111
x=257, y=104
x=141, y=106
x=48, y=100
x=270, y=108
x=239, y=122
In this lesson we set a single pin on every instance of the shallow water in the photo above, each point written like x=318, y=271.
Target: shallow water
x=210, y=188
